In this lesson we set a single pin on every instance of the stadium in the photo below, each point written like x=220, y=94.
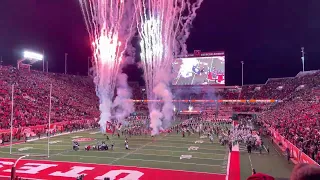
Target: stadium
x=184, y=122
x=168, y=155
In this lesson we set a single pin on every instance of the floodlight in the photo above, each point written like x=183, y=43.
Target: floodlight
x=33, y=56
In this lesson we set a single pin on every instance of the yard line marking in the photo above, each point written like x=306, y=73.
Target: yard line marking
x=42, y=138
x=228, y=165
x=250, y=161
x=162, y=155
x=133, y=167
x=131, y=152
x=69, y=145
x=189, y=146
x=134, y=159
x=116, y=152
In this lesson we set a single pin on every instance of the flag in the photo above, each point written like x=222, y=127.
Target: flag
x=109, y=128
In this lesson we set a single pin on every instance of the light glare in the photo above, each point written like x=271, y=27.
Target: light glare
x=33, y=55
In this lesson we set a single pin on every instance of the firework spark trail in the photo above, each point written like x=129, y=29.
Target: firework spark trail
x=110, y=27
x=164, y=28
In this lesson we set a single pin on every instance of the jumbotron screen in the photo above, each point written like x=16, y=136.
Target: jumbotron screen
x=200, y=69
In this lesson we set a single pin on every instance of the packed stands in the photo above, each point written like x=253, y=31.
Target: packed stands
x=73, y=99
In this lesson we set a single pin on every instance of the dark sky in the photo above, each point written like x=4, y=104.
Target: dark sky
x=266, y=35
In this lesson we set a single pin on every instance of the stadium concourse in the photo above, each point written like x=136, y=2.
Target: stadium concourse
x=182, y=153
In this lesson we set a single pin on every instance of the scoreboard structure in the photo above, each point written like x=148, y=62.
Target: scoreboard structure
x=200, y=68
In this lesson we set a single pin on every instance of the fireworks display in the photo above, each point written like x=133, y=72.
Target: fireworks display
x=164, y=28
x=111, y=25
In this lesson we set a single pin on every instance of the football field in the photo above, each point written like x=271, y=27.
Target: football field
x=166, y=156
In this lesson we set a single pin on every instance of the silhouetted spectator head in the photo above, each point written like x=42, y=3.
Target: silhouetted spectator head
x=305, y=171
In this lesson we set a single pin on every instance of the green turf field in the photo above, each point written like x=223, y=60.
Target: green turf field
x=164, y=152
x=274, y=163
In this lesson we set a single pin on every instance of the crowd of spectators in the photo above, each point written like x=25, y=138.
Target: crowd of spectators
x=297, y=118
x=73, y=98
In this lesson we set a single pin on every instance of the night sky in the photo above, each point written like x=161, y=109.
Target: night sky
x=266, y=35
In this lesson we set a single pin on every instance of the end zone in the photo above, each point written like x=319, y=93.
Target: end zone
x=39, y=169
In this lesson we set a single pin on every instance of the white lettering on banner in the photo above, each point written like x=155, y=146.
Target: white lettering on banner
x=25, y=148
x=185, y=156
x=32, y=168
x=203, y=137
x=74, y=172
x=193, y=148
x=54, y=142
x=75, y=137
x=131, y=175
x=198, y=142
x=5, y=163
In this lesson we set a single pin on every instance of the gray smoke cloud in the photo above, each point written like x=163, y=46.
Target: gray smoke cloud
x=186, y=24
x=123, y=103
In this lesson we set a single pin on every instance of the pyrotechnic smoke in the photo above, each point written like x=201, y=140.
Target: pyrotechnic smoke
x=156, y=123
x=110, y=26
x=164, y=28
x=123, y=102
x=186, y=24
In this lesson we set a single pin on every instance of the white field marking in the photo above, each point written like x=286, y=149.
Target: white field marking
x=70, y=145
x=54, y=142
x=250, y=161
x=136, y=150
x=25, y=148
x=56, y=135
x=131, y=152
x=228, y=166
x=185, y=157
x=113, y=152
x=198, y=142
x=95, y=132
x=71, y=162
x=133, y=149
x=31, y=154
x=191, y=142
x=224, y=149
x=76, y=137
x=133, y=159
x=161, y=151
x=193, y=148
x=265, y=148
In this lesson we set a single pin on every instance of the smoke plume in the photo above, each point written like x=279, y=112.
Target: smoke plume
x=123, y=103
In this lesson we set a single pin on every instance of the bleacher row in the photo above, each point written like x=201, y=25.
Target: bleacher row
x=74, y=98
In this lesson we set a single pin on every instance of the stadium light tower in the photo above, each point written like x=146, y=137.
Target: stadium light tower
x=31, y=56
x=242, y=73
x=65, y=62
x=302, y=58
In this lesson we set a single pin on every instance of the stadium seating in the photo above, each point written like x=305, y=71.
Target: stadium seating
x=73, y=98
